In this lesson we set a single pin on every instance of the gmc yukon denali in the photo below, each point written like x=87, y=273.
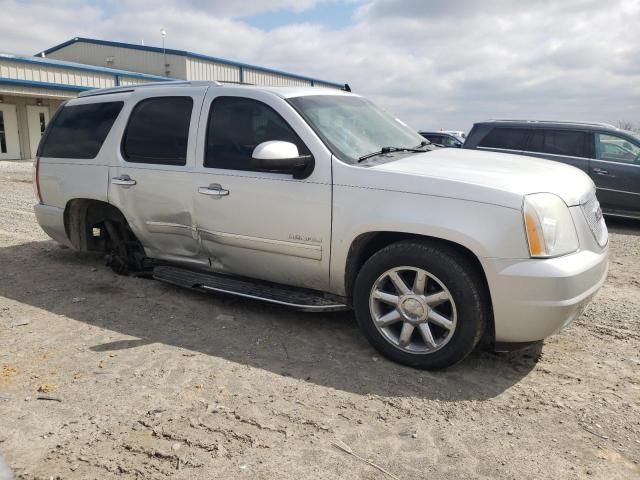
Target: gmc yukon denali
x=316, y=199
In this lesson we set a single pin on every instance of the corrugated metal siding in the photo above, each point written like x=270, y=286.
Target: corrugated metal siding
x=326, y=85
x=199, y=69
x=258, y=77
x=123, y=59
x=124, y=81
x=61, y=76
x=35, y=91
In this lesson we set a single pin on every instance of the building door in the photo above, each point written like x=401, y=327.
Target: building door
x=37, y=120
x=9, y=143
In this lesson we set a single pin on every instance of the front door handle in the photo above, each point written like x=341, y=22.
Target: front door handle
x=124, y=180
x=600, y=171
x=214, y=190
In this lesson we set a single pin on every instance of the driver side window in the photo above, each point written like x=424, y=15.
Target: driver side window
x=616, y=149
x=236, y=126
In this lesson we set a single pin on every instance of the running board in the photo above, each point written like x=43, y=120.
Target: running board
x=300, y=299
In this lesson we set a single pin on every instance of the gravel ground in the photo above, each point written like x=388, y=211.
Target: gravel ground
x=106, y=377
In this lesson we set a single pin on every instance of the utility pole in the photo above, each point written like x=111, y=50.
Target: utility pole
x=163, y=32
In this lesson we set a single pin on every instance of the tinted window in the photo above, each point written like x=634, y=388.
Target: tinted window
x=536, y=141
x=565, y=142
x=158, y=131
x=616, y=149
x=450, y=141
x=237, y=125
x=508, y=138
x=78, y=131
x=432, y=138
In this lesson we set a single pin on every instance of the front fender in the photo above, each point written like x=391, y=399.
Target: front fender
x=487, y=230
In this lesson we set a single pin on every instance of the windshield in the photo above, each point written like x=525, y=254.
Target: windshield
x=352, y=126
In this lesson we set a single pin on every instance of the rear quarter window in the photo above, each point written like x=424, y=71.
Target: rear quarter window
x=506, y=138
x=78, y=131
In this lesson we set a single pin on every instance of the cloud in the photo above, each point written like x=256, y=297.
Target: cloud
x=434, y=64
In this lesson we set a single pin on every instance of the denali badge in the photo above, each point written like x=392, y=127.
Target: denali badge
x=304, y=238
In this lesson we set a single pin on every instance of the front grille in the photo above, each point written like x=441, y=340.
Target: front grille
x=593, y=214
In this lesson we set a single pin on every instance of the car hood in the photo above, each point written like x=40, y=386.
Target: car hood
x=498, y=178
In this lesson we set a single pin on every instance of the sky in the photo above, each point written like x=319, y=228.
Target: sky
x=433, y=63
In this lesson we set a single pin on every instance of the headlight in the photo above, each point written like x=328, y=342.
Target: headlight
x=550, y=228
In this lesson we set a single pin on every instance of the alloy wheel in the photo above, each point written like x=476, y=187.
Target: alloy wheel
x=413, y=310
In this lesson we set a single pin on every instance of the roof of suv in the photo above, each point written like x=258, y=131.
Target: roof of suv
x=284, y=92
x=552, y=124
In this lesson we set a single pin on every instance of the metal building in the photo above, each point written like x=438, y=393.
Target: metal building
x=32, y=88
x=174, y=63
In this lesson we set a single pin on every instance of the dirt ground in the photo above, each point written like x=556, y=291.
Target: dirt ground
x=106, y=377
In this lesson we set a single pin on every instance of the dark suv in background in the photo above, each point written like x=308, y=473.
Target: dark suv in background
x=609, y=155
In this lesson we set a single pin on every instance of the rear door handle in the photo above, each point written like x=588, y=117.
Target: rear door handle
x=124, y=180
x=600, y=171
x=214, y=190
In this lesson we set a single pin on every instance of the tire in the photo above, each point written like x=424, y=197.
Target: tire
x=124, y=253
x=453, y=304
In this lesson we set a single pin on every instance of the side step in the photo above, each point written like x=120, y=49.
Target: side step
x=301, y=299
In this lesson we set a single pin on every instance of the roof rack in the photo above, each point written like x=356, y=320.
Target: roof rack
x=561, y=122
x=131, y=88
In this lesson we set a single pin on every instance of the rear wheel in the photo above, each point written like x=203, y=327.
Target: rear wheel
x=421, y=305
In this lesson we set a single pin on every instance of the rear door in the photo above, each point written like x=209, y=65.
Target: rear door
x=150, y=177
x=262, y=225
x=561, y=145
x=615, y=169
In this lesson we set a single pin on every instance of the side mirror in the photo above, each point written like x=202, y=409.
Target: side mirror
x=282, y=157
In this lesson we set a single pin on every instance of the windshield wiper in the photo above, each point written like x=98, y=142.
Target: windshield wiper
x=385, y=150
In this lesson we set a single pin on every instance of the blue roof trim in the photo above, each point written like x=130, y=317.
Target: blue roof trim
x=54, y=86
x=185, y=53
x=81, y=66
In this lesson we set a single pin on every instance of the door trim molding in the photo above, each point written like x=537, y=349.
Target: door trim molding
x=617, y=191
x=292, y=249
x=170, y=228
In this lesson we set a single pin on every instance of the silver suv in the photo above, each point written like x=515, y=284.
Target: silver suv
x=316, y=199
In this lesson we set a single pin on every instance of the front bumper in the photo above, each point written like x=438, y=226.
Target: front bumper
x=535, y=298
x=51, y=220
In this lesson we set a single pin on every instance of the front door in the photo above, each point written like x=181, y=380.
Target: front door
x=9, y=142
x=37, y=121
x=150, y=179
x=616, y=172
x=258, y=224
